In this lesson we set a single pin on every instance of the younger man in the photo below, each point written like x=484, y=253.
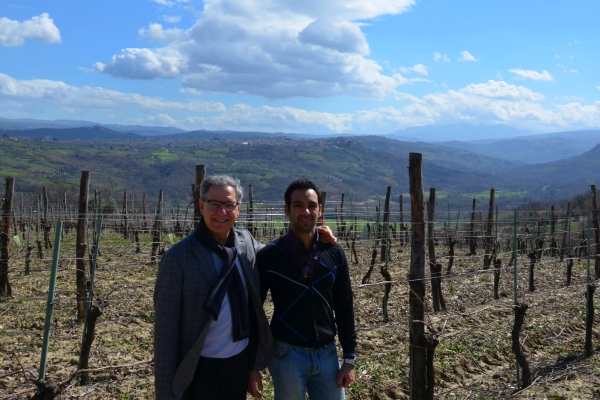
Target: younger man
x=312, y=296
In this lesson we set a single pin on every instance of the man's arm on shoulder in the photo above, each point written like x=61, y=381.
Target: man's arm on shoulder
x=326, y=235
x=167, y=314
x=256, y=245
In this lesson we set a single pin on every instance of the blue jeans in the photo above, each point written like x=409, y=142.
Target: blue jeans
x=296, y=370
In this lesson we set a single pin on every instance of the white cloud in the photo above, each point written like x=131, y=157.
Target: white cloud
x=170, y=3
x=173, y=19
x=572, y=70
x=274, y=49
x=144, y=64
x=533, y=75
x=162, y=119
x=42, y=28
x=47, y=93
x=156, y=33
x=437, y=57
x=466, y=56
x=598, y=87
x=192, y=91
x=418, y=68
x=341, y=36
x=485, y=103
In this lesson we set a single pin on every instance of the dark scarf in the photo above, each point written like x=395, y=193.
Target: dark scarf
x=230, y=282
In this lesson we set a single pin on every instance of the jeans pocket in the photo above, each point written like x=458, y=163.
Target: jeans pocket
x=331, y=349
x=281, y=352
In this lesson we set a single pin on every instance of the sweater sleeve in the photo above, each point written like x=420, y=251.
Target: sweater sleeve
x=343, y=306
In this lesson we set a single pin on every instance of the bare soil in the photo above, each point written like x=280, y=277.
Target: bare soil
x=473, y=360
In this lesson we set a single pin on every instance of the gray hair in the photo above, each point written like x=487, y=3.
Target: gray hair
x=221, y=180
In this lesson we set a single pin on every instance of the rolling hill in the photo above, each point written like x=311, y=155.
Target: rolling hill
x=533, y=149
x=359, y=167
x=339, y=165
x=452, y=158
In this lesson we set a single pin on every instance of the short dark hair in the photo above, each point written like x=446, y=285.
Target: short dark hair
x=300, y=184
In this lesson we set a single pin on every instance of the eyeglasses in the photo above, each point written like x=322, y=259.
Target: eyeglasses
x=216, y=204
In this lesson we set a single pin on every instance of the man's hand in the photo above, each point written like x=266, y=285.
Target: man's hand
x=326, y=235
x=346, y=375
x=255, y=385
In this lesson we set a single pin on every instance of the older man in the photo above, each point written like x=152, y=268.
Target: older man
x=210, y=329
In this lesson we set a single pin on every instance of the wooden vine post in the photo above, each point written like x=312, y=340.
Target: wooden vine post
x=596, y=251
x=385, y=240
x=45, y=221
x=385, y=273
x=489, y=238
x=563, y=246
x=418, y=352
x=81, y=244
x=472, y=243
x=144, y=210
x=125, y=217
x=93, y=312
x=591, y=287
x=436, y=269
x=5, y=235
x=322, y=202
x=342, y=224
x=367, y=277
x=156, y=236
x=250, y=225
x=451, y=244
x=200, y=175
x=553, y=241
x=520, y=310
x=589, y=320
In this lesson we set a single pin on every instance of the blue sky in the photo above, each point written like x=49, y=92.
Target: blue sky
x=340, y=66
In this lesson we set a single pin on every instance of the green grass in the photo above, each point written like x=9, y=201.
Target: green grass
x=165, y=155
x=498, y=194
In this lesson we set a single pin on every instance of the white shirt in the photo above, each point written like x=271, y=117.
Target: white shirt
x=219, y=340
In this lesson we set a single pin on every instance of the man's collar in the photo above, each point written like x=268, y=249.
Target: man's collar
x=293, y=238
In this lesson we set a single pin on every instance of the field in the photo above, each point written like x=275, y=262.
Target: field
x=473, y=360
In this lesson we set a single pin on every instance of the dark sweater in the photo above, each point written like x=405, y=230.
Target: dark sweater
x=308, y=310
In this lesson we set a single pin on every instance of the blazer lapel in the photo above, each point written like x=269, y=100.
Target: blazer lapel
x=205, y=262
x=240, y=246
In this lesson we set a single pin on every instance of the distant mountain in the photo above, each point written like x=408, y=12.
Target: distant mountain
x=250, y=135
x=94, y=132
x=145, y=130
x=339, y=165
x=28, y=123
x=462, y=132
x=447, y=156
x=535, y=148
x=360, y=167
x=560, y=179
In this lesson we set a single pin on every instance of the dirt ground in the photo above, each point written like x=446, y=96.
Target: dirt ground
x=474, y=359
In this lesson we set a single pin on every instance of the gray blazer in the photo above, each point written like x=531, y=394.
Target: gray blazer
x=185, y=276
